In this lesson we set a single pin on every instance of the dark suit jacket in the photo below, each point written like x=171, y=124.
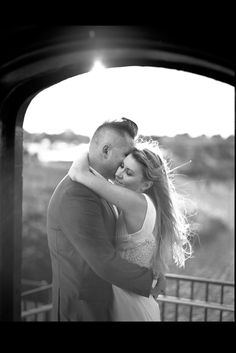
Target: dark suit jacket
x=81, y=233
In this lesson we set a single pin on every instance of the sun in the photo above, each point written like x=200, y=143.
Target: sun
x=98, y=66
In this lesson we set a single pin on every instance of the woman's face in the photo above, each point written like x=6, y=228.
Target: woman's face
x=130, y=175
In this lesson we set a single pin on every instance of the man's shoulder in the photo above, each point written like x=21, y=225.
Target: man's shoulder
x=73, y=188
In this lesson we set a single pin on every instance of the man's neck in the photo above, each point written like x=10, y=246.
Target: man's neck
x=97, y=168
x=95, y=172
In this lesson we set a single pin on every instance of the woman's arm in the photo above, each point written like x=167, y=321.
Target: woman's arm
x=127, y=200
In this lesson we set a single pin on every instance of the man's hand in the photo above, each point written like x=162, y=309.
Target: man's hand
x=160, y=286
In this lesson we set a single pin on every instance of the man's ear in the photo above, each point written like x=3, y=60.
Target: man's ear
x=147, y=184
x=105, y=150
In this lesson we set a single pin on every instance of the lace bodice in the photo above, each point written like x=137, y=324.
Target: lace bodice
x=140, y=246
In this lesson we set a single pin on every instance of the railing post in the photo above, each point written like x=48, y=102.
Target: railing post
x=163, y=311
x=221, y=300
x=177, y=295
x=206, y=299
x=191, y=297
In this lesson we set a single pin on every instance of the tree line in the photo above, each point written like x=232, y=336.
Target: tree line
x=212, y=157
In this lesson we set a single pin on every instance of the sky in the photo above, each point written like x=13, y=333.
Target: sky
x=163, y=102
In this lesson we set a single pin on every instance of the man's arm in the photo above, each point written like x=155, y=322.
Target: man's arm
x=82, y=222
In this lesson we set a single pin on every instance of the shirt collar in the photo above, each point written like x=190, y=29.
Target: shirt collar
x=99, y=175
x=96, y=173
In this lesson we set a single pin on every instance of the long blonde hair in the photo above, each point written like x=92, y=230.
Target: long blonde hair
x=172, y=229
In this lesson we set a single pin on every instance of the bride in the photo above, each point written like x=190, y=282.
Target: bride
x=151, y=230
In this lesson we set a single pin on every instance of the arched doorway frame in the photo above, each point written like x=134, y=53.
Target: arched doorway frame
x=47, y=61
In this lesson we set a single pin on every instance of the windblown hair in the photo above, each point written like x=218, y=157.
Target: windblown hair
x=121, y=126
x=172, y=229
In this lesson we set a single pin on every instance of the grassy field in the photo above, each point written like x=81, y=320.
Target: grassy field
x=213, y=205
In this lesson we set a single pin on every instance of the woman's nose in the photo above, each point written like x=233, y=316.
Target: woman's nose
x=119, y=173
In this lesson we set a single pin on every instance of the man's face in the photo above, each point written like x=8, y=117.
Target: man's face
x=122, y=146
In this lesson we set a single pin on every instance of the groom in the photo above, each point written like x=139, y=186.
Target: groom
x=81, y=236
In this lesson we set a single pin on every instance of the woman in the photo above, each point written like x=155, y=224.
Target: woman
x=151, y=230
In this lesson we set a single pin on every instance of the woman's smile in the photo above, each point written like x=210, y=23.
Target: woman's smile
x=118, y=182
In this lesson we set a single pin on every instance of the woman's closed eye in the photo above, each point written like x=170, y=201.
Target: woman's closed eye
x=128, y=171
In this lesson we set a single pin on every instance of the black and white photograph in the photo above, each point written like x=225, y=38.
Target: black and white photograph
x=116, y=174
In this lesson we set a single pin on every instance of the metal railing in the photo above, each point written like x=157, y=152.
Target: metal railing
x=36, y=304
x=197, y=299
x=187, y=298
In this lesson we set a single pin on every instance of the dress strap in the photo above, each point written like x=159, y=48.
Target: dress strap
x=150, y=219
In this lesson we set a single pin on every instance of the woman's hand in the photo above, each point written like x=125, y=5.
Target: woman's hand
x=80, y=167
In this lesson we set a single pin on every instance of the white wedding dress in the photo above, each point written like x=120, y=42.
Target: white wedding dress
x=137, y=248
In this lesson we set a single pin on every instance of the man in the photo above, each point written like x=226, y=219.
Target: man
x=81, y=236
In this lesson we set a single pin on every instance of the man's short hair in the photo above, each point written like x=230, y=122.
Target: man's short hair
x=122, y=126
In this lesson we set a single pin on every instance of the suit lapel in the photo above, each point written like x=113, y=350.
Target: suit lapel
x=109, y=209
x=110, y=220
